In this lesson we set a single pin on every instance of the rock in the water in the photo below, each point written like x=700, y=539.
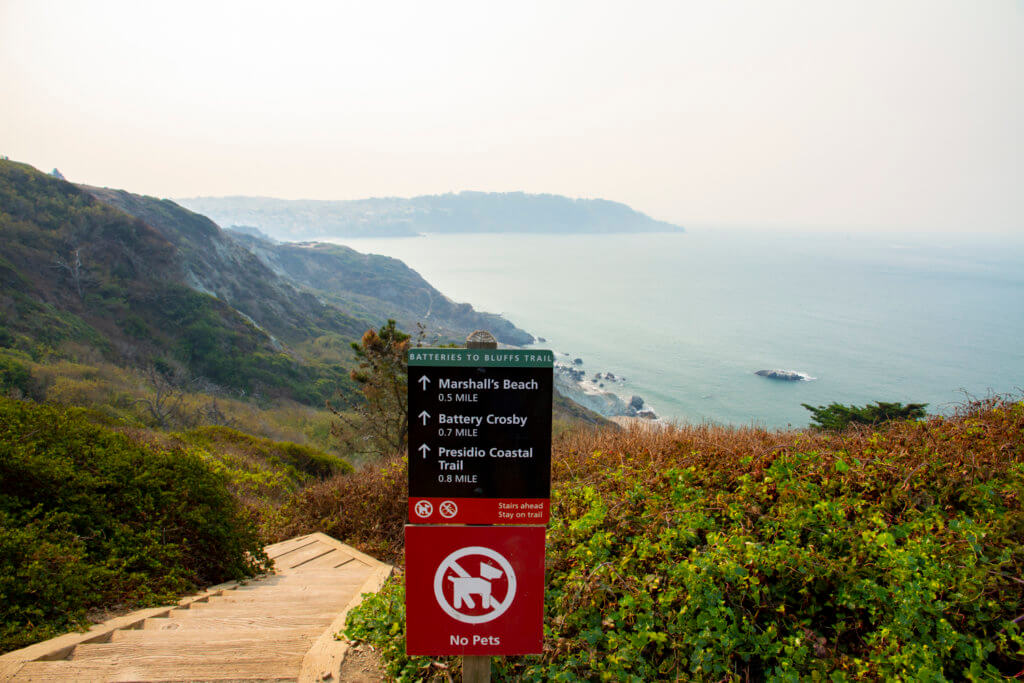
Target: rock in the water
x=787, y=375
x=575, y=374
x=636, y=402
x=647, y=414
x=542, y=340
x=577, y=361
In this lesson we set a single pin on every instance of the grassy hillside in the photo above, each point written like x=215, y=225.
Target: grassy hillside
x=211, y=261
x=78, y=276
x=378, y=288
x=710, y=553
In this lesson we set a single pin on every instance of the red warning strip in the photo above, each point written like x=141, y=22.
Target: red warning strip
x=479, y=510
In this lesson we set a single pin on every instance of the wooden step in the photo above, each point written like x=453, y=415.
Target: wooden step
x=210, y=633
x=241, y=670
x=167, y=647
x=255, y=609
x=234, y=623
x=276, y=593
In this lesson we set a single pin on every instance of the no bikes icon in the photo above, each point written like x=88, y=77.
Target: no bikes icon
x=458, y=591
x=448, y=509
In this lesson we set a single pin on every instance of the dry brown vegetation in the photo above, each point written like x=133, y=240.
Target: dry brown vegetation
x=366, y=508
x=981, y=439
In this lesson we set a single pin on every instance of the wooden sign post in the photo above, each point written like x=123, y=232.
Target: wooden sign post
x=479, y=499
x=477, y=668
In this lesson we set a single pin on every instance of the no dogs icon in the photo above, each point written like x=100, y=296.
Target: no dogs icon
x=475, y=585
x=474, y=590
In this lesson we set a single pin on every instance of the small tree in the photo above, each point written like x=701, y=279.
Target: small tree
x=837, y=416
x=74, y=269
x=165, y=396
x=379, y=424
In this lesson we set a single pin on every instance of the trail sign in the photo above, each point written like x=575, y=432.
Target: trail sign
x=474, y=590
x=479, y=436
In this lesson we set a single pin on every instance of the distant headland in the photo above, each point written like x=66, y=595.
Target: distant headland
x=465, y=212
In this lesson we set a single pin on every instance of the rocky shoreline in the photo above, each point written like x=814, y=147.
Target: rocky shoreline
x=589, y=390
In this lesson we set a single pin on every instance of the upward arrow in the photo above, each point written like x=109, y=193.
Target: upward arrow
x=424, y=449
x=424, y=416
x=424, y=380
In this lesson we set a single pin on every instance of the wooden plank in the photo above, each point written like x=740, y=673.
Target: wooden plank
x=333, y=561
x=254, y=610
x=349, y=550
x=278, y=549
x=255, y=646
x=296, y=557
x=233, y=623
x=339, y=595
x=169, y=670
x=214, y=633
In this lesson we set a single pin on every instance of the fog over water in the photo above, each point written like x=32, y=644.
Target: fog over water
x=689, y=318
x=830, y=115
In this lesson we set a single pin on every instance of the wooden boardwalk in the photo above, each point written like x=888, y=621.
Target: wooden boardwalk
x=279, y=627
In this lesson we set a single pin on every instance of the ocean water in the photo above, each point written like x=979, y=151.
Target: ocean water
x=689, y=318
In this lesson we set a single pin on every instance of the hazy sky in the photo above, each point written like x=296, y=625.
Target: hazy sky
x=890, y=114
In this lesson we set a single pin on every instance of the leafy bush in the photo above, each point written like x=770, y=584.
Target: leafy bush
x=836, y=416
x=301, y=460
x=380, y=619
x=14, y=376
x=733, y=554
x=90, y=518
x=261, y=473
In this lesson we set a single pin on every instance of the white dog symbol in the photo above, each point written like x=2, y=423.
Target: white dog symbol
x=466, y=586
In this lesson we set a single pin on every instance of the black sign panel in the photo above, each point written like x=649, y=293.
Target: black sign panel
x=480, y=432
x=479, y=436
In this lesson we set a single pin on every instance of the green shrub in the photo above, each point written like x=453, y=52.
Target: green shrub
x=14, y=376
x=90, y=518
x=380, y=620
x=261, y=473
x=838, y=417
x=304, y=459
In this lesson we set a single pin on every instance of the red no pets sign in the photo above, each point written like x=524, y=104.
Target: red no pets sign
x=474, y=590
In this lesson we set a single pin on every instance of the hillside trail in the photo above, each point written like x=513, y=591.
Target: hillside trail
x=277, y=627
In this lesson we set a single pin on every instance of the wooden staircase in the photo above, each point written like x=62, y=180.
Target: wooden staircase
x=279, y=627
